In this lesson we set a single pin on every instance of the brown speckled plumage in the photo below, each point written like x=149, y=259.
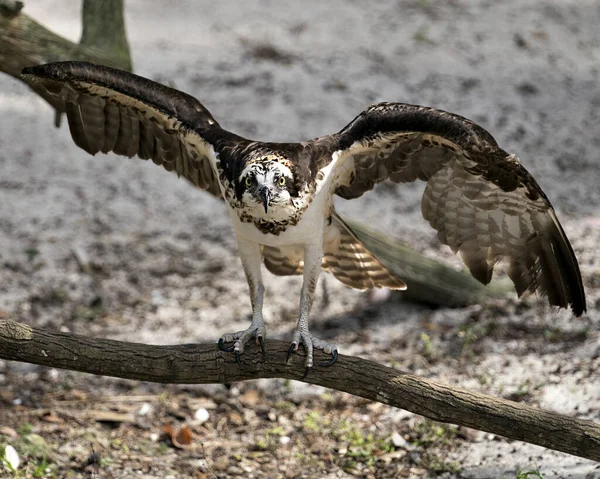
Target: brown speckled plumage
x=480, y=199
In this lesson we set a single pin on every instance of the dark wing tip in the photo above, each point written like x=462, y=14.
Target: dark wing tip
x=548, y=264
x=168, y=100
x=62, y=70
x=568, y=287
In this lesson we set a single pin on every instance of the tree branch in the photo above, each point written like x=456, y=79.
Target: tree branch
x=204, y=363
x=24, y=42
x=428, y=281
x=104, y=28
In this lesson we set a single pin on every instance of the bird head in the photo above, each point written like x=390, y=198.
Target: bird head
x=266, y=187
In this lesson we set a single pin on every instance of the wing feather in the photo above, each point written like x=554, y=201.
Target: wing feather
x=480, y=199
x=111, y=110
x=352, y=263
x=112, y=125
x=345, y=256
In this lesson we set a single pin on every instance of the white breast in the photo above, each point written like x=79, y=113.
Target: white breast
x=307, y=230
x=311, y=225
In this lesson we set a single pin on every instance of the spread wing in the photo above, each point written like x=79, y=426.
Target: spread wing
x=112, y=110
x=480, y=199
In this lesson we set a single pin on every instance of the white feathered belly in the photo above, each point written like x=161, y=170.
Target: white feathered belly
x=311, y=226
x=308, y=230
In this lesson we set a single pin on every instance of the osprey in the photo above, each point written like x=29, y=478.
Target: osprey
x=480, y=199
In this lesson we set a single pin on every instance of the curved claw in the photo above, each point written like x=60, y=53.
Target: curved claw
x=222, y=347
x=306, y=371
x=261, y=341
x=332, y=361
x=290, y=351
x=237, y=357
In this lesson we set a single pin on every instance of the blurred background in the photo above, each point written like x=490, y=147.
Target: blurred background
x=164, y=263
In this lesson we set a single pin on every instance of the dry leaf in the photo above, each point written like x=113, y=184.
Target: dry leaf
x=50, y=416
x=250, y=398
x=78, y=394
x=181, y=438
x=110, y=416
x=184, y=437
x=235, y=419
x=169, y=430
x=8, y=431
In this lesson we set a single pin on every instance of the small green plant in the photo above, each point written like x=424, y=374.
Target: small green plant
x=485, y=379
x=88, y=312
x=34, y=451
x=25, y=429
x=429, y=350
x=32, y=252
x=531, y=474
x=270, y=441
x=470, y=334
x=523, y=391
x=437, y=465
x=285, y=406
x=40, y=469
x=163, y=449
x=261, y=444
x=553, y=334
x=362, y=447
x=118, y=444
x=313, y=422
x=421, y=36
x=432, y=433
x=434, y=439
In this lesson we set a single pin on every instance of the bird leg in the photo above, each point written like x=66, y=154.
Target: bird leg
x=251, y=260
x=313, y=255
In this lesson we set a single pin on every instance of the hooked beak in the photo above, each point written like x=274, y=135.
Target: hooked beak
x=265, y=192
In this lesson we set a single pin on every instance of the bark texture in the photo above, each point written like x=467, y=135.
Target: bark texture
x=205, y=363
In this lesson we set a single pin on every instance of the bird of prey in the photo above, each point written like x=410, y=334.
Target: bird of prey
x=480, y=199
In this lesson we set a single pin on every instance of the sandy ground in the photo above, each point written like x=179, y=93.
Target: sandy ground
x=285, y=71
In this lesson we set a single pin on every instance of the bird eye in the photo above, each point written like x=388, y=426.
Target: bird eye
x=282, y=181
x=248, y=181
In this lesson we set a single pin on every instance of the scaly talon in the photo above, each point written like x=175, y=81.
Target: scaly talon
x=310, y=343
x=293, y=348
x=332, y=361
x=222, y=347
x=239, y=339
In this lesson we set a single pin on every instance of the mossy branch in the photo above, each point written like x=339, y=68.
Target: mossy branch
x=428, y=281
x=104, y=28
x=24, y=42
x=205, y=363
